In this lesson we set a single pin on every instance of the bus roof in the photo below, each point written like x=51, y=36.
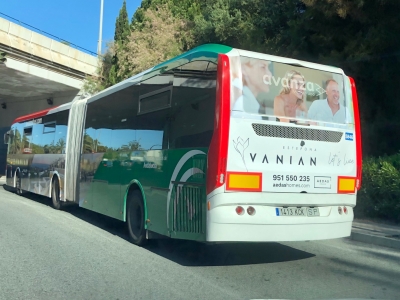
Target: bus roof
x=203, y=51
x=42, y=113
x=198, y=53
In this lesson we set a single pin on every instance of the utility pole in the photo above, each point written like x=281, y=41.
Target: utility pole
x=101, y=28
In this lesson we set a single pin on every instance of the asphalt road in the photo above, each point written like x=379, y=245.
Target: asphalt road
x=77, y=254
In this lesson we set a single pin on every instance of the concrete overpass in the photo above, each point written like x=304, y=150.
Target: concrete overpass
x=35, y=68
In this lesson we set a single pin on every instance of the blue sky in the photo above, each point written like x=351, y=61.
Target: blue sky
x=76, y=21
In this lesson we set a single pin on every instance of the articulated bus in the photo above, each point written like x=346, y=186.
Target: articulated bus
x=215, y=145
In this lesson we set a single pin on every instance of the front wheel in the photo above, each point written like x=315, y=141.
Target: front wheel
x=135, y=218
x=55, y=194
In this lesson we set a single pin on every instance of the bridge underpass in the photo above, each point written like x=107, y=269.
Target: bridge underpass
x=37, y=72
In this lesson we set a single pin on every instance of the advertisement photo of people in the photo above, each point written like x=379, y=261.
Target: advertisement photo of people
x=285, y=93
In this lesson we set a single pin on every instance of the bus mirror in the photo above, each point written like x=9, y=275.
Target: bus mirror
x=6, y=138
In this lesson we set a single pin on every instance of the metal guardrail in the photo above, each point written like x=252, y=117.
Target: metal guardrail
x=37, y=30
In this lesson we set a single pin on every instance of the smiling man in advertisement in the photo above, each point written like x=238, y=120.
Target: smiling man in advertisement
x=329, y=109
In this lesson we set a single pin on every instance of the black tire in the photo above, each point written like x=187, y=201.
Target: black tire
x=55, y=194
x=135, y=218
x=18, y=184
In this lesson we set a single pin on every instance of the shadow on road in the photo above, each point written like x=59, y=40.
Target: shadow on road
x=190, y=253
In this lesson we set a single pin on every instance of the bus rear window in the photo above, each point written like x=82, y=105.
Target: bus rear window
x=287, y=93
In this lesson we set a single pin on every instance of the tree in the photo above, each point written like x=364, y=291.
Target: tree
x=3, y=58
x=134, y=145
x=161, y=37
x=122, y=31
x=100, y=81
x=16, y=144
x=360, y=37
x=87, y=143
x=60, y=146
x=228, y=22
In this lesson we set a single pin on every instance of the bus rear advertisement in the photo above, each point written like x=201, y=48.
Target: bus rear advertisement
x=215, y=145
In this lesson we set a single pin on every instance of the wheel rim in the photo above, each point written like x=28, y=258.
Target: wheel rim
x=136, y=220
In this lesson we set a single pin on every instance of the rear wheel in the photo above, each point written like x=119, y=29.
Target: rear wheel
x=18, y=184
x=55, y=194
x=135, y=218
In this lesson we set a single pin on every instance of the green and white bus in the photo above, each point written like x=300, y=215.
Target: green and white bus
x=215, y=145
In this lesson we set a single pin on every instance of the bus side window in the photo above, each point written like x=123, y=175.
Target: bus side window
x=154, y=104
x=26, y=140
x=53, y=133
x=193, y=105
x=49, y=130
x=37, y=130
x=60, y=136
x=15, y=147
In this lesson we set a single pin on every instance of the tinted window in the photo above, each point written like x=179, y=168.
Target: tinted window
x=49, y=127
x=193, y=105
x=27, y=139
x=47, y=142
x=54, y=132
x=112, y=123
x=148, y=116
x=155, y=101
x=15, y=147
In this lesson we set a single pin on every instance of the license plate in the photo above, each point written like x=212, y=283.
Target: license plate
x=297, y=211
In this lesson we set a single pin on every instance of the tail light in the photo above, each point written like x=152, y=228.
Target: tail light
x=218, y=151
x=251, y=210
x=358, y=132
x=239, y=210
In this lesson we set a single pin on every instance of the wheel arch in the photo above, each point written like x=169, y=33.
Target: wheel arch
x=17, y=170
x=132, y=186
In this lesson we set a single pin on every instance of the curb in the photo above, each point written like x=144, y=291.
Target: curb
x=376, y=240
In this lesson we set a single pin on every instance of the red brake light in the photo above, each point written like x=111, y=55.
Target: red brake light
x=239, y=210
x=358, y=132
x=218, y=151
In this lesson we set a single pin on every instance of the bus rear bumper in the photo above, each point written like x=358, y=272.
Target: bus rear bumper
x=277, y=233
x=223, y=225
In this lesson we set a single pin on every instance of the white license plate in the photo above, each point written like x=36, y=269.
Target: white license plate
x=297, y=211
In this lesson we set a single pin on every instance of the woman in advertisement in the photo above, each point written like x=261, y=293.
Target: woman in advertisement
x=290, y=102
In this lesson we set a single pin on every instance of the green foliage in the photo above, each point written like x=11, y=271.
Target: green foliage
x=181, y=9
x=122, y=29
x=2, y=57
x=122, y=32
x=361, y=37
x=103, y=78
x=380, y=193
x=229, y=22
x=161, y=36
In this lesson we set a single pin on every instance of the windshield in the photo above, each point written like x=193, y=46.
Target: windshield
x=286, y=93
